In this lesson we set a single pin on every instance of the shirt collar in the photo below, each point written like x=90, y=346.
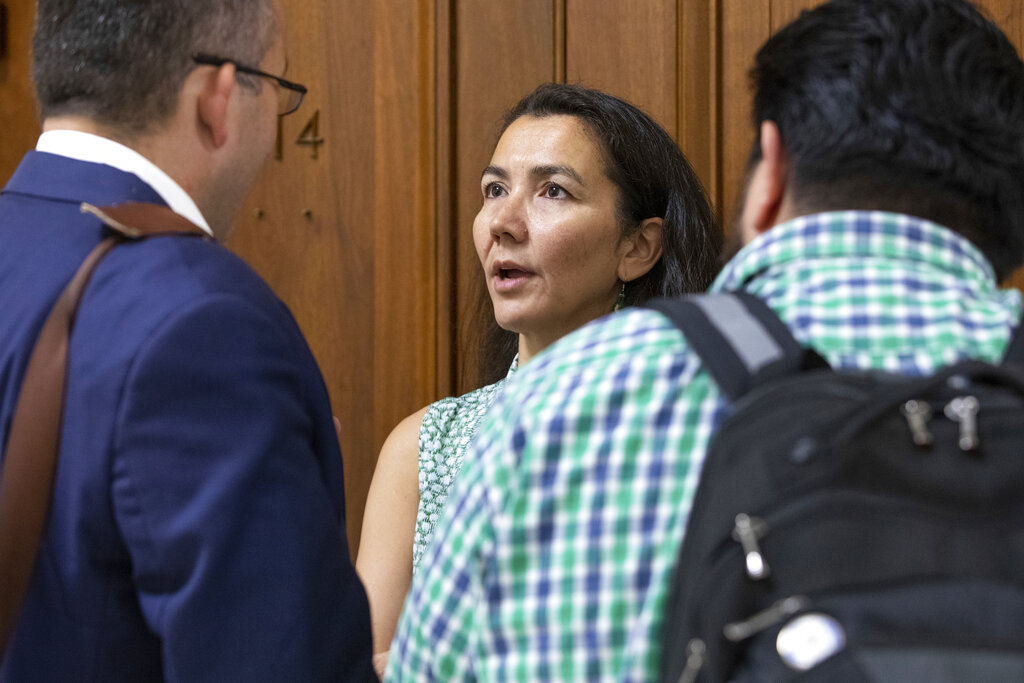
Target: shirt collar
x=515, y=366
x=91, y=148
x=864, y=234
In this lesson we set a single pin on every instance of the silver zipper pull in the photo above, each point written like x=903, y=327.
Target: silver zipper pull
x=695, y=660
x=964, y=410
x=739, y=631
x=918, y=413
x=747, y=531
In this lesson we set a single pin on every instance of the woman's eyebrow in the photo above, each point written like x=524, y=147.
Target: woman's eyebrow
x=543, y=171
x=496, y=171
x=555, y=169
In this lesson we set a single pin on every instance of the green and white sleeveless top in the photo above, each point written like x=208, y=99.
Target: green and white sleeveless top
x=448, y=427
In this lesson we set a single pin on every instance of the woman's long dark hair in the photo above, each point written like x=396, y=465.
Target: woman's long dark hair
x=654, y=179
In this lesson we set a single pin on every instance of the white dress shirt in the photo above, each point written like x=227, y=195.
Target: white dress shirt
x=99, y=150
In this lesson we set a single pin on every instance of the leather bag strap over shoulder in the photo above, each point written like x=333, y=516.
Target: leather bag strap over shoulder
x=30, y=458
x=137, y=220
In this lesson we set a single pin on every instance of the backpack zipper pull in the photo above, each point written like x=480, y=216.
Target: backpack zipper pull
x=964, y=410
x=695, y=660
x=918, y=413
x=739, y=631
x=747, y=531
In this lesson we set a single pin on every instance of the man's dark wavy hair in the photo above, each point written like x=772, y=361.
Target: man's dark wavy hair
x=122, y=62
x=915, y=106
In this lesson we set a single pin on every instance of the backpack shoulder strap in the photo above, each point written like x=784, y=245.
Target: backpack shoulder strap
x=1015, y=348
x=739, y=338
x=30, y=455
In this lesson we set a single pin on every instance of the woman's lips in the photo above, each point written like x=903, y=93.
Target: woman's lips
x=510, y=277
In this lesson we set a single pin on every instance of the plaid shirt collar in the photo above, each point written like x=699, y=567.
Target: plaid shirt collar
x=857, y=234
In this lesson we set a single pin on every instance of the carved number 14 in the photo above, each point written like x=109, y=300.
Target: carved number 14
x=310, y=136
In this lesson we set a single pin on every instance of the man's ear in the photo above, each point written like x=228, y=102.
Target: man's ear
x=643, y=250
x=213, y=101
x=767, y=186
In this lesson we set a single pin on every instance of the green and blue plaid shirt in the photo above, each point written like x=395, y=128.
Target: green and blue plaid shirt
x=553, y=558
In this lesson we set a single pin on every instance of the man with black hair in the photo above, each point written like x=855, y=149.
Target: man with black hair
x=883, y=205
x=196, y=530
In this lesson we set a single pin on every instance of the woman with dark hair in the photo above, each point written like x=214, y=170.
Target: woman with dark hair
x=588, y=206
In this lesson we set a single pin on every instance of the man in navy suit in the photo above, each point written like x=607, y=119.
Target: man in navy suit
x=197, y=526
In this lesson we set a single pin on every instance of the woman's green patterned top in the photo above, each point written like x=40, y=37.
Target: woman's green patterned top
x=448, y=427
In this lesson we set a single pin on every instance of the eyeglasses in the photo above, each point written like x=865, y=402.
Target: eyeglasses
x=289, y=94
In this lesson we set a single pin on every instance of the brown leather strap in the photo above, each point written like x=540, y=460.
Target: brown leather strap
x=30, y=461
x=136, y=220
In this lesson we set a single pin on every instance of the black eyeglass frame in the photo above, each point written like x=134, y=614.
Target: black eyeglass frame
x=210, y=60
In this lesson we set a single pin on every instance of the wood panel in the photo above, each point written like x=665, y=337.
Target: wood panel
x=626, y=49
x=785, y=11
x=405, y=287
x=308, y=228
x=19, y=125
x=502, y=51
x=698, y=101
x=744, y=27
x=1009, y=14
x=445, y=208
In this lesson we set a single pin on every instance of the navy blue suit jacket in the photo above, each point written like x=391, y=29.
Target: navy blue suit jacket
x=197, y=530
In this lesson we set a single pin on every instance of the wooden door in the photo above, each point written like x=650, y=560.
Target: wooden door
x=19, y=125
x=309, y=226
x=363, y=225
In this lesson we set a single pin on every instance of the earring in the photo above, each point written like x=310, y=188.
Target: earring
x=620, y=300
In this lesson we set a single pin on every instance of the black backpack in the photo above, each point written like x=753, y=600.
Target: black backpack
x=848, y=526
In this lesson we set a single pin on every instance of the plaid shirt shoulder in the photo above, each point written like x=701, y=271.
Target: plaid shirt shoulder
x=553, y=557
